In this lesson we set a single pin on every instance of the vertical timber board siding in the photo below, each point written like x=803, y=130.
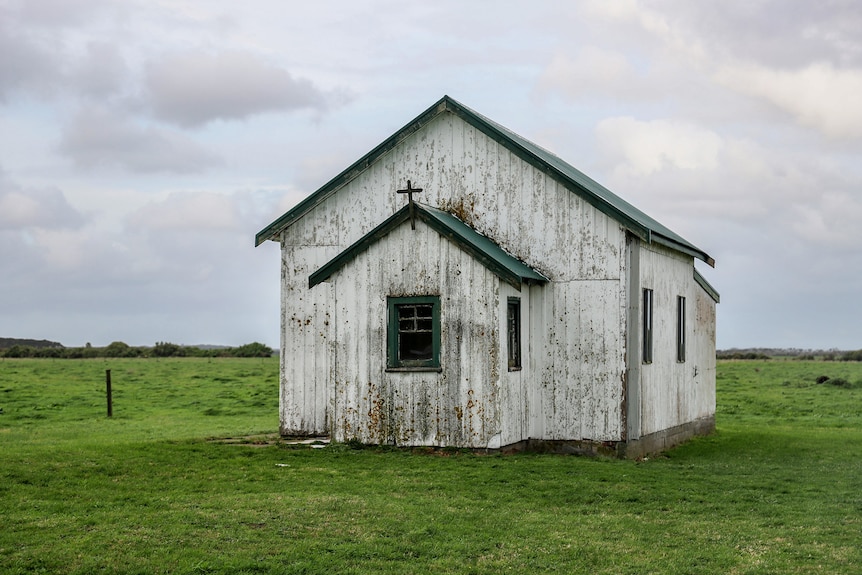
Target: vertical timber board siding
x=513, y=390
x=461, y=170
x=671, y=392
x=529, y=214
x=581, y=383
x=457, y=406
x=306, y=340
x=702, y=350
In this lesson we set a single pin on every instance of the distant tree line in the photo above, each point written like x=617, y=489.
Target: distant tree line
x=797, y=354
x=120, y=349
x=7, y=342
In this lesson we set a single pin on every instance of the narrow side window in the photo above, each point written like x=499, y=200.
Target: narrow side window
x=680, y=328
x=513, y=329
x=647, y=326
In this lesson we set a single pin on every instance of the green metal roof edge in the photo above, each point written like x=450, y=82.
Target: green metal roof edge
x=701, y=281
x=596, y=194
x=357, y=247
x=593, y=192
x=483, y=249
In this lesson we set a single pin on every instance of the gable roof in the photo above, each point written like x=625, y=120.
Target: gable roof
x=636, y=221
x=503, y=265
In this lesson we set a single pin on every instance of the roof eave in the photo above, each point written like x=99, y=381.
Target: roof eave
x=707, y=287
x=496, y=264
x=686, y=249
x=507, y=139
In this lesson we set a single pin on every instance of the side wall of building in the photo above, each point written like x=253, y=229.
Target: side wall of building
x=674, y=392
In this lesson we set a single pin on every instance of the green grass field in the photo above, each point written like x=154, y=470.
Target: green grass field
x=778, y=489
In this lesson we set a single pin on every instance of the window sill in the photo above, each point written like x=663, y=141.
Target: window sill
x=409, y=369
x=515, y=368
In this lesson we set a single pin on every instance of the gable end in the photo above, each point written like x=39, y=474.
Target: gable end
x=636, y=221
x=483, y=249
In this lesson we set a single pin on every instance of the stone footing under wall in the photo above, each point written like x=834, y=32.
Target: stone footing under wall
x=634, y=449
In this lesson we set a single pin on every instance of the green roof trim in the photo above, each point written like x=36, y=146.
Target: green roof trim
x=636, y=221
x=701, y=281
x=483, y=249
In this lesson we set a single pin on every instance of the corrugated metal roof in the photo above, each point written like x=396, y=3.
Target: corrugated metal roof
x=599, y=196
x=504, y=265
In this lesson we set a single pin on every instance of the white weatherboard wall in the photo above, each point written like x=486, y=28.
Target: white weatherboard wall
x=458, y=405
x=672, y=392
x=571, y=386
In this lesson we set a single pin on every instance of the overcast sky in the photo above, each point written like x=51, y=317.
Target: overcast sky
x=144, y=143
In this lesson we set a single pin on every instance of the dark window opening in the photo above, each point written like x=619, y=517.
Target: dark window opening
x=513, y=328
x=647, y=326
x=680, y=328
x=414, y=332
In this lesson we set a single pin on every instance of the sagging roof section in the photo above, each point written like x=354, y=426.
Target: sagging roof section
x=483, y=249
x=636, y=221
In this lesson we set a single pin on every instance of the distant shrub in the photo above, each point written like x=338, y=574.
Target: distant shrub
x=851, y=355
x=741, y=355
x=119, y=349
x=17, y=351
x=166, y=349
x=839, y=382
x=252, y=350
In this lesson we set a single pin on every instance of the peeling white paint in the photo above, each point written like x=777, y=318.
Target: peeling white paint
x=572, y=383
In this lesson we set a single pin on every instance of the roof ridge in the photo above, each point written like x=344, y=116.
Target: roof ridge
x=603, y=199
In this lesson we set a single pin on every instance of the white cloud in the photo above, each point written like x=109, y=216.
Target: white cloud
x=818, y=96
x=831, y=222
x=648, y=147
x=592, y=70
x=30, y=208
x=102, y=138
x=193, y=88
x=190, y=211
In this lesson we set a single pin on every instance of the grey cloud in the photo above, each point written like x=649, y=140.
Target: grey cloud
x=27, y=208
x=799, y=31
x=24, y=62
x=59, y=13
x=99, y=138
x=196, y=88
x=102, y=70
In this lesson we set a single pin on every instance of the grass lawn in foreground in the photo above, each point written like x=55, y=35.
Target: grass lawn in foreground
x=778, y=489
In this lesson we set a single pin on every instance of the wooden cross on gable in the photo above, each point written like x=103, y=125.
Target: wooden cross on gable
x=410, y=191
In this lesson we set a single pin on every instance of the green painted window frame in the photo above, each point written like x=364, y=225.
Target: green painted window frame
x=395, y=361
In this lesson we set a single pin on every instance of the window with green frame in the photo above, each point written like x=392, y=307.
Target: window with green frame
x=413, y=338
